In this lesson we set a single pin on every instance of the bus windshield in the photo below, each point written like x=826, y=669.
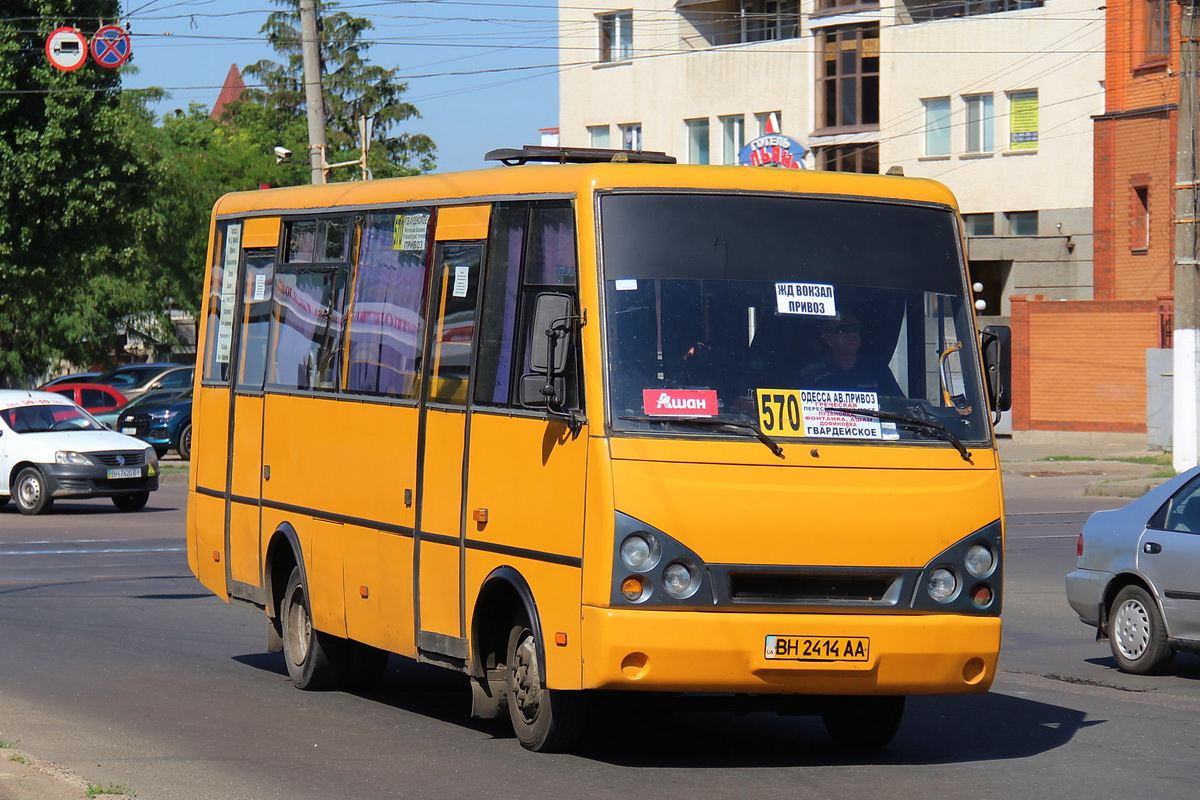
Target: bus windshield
x=806, y=318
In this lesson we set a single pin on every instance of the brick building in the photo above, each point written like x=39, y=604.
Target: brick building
x=1083, y=365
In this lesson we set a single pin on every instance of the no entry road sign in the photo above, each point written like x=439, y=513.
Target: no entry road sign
x=111, y=47
x=66, y=48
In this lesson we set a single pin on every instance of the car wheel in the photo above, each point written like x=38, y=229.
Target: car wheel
x=545, y=720
x=161, y=450
x=862, y=722
x=31, y=492
x=3, y=501
x=184, y=447
x=135, y=501
x=315, y=660
x=1136, y=632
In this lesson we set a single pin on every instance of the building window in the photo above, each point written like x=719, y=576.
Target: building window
x=979, y=123
x=598, y=136
x=848, y=82
x=722, y=22
x=1139, y=219
x=849, y=158
x=631, y=136
x=616, y=36
x=768, y=20
x=697, y=136
x=980, y=224
x=1158, y=30
x=768, y=122
x=937, y=126
x=733, y=138
x=1023, y=120
x=846, y=5
x=1022, y=223
x=926, y=10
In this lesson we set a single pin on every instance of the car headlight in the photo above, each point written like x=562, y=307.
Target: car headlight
x=942, y=584
x=151, y=456
x=162, y=415
x=71, y=457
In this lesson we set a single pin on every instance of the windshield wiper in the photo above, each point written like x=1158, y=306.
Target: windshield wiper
x=718, y=424
x=910, y=422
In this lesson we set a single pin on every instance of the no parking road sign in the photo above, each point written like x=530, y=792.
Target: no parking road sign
x=111, y=47
x=66, y=48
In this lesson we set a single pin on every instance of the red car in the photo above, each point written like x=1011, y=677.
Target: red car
x=97, y=397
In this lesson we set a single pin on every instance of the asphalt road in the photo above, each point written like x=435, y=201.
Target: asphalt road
x=116, y=663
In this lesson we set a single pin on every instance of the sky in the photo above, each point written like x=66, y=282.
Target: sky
x=482, y=74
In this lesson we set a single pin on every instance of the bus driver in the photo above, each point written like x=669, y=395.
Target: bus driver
x=842, y=368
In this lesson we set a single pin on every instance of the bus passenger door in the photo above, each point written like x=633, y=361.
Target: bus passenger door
x=440, y=524
x=244, y=510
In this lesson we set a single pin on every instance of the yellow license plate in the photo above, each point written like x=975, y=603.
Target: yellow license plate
x=819, y=648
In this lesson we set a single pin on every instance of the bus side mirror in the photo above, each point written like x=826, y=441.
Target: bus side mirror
x=549, y=344
x=996, y=342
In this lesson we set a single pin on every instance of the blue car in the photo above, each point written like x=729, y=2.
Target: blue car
x=164, y=424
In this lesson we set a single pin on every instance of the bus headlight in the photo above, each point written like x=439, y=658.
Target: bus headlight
x=640, y=552
x=942, y=585
x=680, y=579
x=979, y=560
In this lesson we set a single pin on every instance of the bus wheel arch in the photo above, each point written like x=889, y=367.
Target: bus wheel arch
x=503, y=595
x=283, y=555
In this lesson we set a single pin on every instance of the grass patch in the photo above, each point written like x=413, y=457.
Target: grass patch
x=20, y=759
x=4, y=744
x=1163, y=473
x=1160, y=459
x=98, y=790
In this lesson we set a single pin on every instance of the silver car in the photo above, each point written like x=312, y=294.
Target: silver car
x=1138, y=575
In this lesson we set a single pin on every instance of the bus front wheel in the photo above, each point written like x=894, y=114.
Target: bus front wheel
x=315, y=660
x=862, y=722
x=545, y=720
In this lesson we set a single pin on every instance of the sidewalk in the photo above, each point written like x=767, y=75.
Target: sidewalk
x=1088, y=464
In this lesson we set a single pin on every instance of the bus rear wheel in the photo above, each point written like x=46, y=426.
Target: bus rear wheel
x=315, y=660
x=862, y=722
x=545, y=720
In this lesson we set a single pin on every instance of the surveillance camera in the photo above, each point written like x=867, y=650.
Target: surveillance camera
x=282, y=154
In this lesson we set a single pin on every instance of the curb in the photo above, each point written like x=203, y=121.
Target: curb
x=1134, y=488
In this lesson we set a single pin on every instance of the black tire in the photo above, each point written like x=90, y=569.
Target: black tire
x=4, y=501
x=862, y=721
x=545, y=720
x=1136, y=632
x=161, y=450
x=184, y=445
x=315, y=660
x=134, y=501
x=31, y=492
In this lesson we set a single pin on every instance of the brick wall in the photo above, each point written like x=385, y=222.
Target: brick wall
x=1081, y=365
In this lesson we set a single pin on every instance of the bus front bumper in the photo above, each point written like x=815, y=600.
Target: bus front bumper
x=690, y=651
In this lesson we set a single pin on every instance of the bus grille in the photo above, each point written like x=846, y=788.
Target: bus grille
x=810, y=589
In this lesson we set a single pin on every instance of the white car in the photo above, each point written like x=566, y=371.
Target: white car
x=52, y=448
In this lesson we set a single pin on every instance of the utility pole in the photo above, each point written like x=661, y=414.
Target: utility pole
x=314, y=99
x=1185, y=345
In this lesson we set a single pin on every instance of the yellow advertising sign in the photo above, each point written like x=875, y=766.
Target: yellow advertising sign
x=1023, y=121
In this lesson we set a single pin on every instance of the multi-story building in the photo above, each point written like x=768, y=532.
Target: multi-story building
x=993, y=97
x=1102, y=365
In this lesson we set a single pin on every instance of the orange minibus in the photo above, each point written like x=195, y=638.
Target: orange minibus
x=606, y=423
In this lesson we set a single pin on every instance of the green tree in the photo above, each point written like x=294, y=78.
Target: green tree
x=77, y=215
x=353, y=88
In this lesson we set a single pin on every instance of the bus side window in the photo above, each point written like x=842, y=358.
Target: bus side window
x=309, y=311
x=256, y=297
x=531, y=249
x=387, y=324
